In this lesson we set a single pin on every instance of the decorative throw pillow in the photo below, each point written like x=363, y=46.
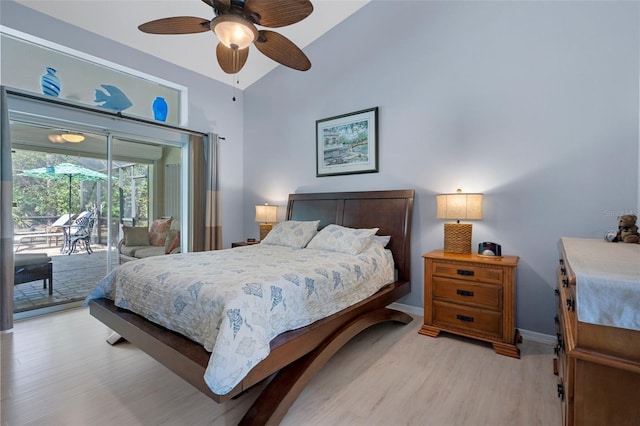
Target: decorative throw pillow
x=342, y=239
x=175, y=243
x=135, y=236
x=158, y=231
x=171, y=234
x=292, y=233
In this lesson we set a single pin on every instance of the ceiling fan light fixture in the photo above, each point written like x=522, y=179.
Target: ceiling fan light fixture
x=72, y=137
x=235, y=32
x=55, y=138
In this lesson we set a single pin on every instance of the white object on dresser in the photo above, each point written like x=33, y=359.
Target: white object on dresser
x=598, y=365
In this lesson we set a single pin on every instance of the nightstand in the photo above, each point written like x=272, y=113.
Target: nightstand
x=473, y=296
x=243, y=243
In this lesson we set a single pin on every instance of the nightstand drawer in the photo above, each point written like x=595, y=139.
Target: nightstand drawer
x=468, y=272
x=468, y=318
x=458, y=291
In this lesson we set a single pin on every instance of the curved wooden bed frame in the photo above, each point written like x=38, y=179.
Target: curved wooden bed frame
x=296, y=355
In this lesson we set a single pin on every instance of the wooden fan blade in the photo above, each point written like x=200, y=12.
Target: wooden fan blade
x=231, y=60
x=282, y=50
x=278, y=13
x=176, y=25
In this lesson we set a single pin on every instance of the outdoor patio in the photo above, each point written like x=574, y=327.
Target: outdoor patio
x=74, y=276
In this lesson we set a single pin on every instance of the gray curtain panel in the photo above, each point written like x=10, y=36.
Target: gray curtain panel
x=6, y=220
x=213, y=228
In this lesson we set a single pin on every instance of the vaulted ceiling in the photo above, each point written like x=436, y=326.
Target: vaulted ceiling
x=119, y=20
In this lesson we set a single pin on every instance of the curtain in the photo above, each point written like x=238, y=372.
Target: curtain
x=205, y=212
x=197, y=193
x=213, y=228
x=172, y=190
x=6, y=219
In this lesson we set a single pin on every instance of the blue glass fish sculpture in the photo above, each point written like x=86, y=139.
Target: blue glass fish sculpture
x=115, y=99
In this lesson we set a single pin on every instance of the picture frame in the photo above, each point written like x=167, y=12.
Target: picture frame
x=347, y=143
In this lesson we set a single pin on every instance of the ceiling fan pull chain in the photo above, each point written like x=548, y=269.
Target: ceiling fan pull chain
x=236, y=79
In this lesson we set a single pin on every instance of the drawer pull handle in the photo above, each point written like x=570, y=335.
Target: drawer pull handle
x=560, y=391
x=571, y=304
x=557, y=292
x=563, y=270
x=464, y=292
x=559, y=347
x=565, y=282
x=560, y=342
x=465, y=272
x=556, y=320
x=464, y=318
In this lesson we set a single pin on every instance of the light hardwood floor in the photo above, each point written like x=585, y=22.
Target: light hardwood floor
x=58, y=370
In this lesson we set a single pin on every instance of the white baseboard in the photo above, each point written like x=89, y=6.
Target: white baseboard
x=532, y=336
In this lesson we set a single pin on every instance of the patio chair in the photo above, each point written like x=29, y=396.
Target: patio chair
x=82, y=234
x=71, y=229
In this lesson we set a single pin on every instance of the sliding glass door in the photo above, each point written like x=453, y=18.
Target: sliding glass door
x=71, y=164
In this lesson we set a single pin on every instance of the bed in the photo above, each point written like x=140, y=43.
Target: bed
x=296, y=355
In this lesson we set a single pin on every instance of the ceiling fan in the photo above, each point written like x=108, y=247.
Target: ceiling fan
x=235, y=25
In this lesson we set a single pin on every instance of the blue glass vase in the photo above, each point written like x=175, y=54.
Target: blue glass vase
x=50, y=82
x=160, y=109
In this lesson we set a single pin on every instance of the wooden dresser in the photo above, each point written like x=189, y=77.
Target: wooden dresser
x=472, y=296
x=598, y=365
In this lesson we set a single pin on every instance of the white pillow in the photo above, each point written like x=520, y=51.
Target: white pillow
x=342, y=239
x=383, y=239
x=292, y=233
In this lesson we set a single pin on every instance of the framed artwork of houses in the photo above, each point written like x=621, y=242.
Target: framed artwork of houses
x=347, y=144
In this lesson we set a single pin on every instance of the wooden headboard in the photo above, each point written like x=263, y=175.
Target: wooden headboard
x=388, y=210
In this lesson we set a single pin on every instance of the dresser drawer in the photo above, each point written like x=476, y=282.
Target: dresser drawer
x=459, y=291
x=469, y=272
x=467, y=318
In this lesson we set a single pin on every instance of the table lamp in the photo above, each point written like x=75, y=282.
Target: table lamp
x=457, y=236
x=266, y=215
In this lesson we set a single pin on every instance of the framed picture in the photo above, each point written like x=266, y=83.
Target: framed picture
x=347, y=143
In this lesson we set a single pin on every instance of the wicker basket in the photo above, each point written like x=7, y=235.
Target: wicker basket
x=457, y=238
x=264, y=230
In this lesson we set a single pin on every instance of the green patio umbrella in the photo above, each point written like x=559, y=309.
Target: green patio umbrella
x=69, y=171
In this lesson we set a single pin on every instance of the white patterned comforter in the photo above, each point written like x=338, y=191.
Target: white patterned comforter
x=235, y=301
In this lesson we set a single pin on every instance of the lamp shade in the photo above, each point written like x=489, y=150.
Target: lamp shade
x=266, y=213
x=459, y=206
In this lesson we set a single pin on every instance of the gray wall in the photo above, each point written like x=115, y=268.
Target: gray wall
x=533, y=104
x=210, y=106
